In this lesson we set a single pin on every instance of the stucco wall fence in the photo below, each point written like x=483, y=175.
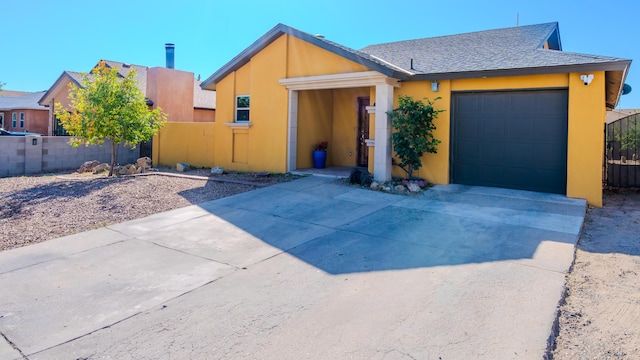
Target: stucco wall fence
x=21, y=155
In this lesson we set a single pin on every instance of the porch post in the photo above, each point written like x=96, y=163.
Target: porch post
x=292, y=136
x=382, y=149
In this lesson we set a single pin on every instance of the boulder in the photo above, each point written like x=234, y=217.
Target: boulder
x=413, y=187
x=217, y=170
x=128, y=169
x=143, y=164
x=88, y=166
x=101, y=168
x=182, y=167
x=375, y=186
x=400, y=188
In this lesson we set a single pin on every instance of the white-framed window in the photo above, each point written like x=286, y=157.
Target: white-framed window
x=21, y=119
x=14, y=120
x=242, y=108
x=2, y=120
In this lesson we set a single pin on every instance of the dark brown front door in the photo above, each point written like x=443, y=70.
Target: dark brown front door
x=363, y=131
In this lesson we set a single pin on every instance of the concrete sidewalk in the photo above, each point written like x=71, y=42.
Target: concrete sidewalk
x=305, y=269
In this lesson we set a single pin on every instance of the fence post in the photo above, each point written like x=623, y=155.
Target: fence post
x=33, y=154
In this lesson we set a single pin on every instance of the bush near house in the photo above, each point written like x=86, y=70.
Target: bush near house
x=413, y=128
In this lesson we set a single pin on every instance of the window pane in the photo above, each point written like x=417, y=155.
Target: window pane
x=243, y=102
x=242, y=115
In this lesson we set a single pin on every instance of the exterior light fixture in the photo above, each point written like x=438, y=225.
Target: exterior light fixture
x=435, y=86
x=586, y=79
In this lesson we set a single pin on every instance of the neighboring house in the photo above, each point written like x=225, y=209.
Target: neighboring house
x=20, y=111
x=176, y=92
x=618, y=114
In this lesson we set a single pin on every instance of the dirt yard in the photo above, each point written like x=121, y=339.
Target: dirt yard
x=601, y=316
x=39, y=208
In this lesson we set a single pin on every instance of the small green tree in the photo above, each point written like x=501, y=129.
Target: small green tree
x=107, y=106
x=630, y=138
x=413, y=127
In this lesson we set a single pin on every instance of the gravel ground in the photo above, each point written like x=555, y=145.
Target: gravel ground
x=39, y=208
x=601, y=316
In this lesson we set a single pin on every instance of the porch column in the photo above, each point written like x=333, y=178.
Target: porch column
x=382, y=149
x=292, y=136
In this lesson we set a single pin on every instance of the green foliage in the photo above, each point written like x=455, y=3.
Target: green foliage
x=630, y=138
x=413, y=127
x=107, y=106
x=1, y=85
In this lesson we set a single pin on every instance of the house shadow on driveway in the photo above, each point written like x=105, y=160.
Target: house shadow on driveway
x=340, y=229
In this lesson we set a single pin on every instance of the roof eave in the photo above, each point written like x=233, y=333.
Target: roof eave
x=620, y=65
x=245, y=56
x=44, y=100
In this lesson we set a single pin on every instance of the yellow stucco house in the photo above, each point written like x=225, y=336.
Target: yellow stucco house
x=518, y=111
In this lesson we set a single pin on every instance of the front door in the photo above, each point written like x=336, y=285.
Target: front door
x=363, y=131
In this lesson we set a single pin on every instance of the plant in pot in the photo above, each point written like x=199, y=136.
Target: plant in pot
x=412, y=136
x=320, y=154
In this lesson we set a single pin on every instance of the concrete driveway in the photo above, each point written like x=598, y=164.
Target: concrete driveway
x=300, y=270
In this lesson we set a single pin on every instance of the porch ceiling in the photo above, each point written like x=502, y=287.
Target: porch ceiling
x=335, y=81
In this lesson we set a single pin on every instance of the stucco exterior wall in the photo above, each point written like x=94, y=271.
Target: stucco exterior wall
x=204, y=115
x=192, y=143
x=585, y=151
x=263, y=145
x=171, y=90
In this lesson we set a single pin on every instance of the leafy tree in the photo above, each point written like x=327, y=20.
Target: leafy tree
x=107, y=106
x=630, y=138
x=1, y=85
x=413, y=127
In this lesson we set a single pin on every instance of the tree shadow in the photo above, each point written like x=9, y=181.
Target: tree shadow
x=342, y=230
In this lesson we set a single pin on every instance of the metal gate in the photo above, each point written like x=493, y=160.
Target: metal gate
x=146, y=148
x=622, y=152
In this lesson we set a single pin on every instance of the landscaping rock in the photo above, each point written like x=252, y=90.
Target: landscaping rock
x=217, y=170
x=386, y=188
x=101, y=168
x=400, y=188
x=128, y=169
x=262, y=174
x=413, y=187
x=88, y=166
x=143, y=164
x=375, y=186
x=182, y=167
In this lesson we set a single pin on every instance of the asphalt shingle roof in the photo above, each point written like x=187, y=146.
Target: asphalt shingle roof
x=28, y=101
x=500, y=49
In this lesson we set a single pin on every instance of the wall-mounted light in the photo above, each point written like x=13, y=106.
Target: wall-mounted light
x=34, y=141
x=586, y=79
x=435, y=86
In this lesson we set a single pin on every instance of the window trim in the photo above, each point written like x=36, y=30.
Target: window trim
x=1, y=120
x=14, y=120
x=242, y=108
x=22, y=118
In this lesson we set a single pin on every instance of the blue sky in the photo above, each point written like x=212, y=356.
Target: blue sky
x=41, y=38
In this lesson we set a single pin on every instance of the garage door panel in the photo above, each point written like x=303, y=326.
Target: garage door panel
x=492, y=126
x=510, y=139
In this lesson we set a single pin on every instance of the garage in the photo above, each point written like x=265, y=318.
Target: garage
x=510, y=139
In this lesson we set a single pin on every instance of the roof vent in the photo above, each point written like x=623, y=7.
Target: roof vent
x=125, y=65
x=320, y=36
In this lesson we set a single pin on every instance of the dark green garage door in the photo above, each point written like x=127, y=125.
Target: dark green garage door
x=515, y=140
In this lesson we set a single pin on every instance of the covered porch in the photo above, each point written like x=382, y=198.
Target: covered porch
x=330, y=108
